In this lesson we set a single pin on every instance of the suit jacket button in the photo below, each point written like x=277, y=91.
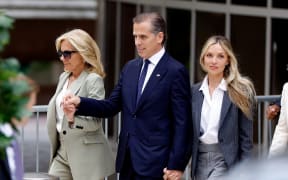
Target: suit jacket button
x=64, y=132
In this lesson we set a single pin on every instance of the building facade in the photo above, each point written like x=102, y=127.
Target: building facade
x=257, y=30
x=36, y=27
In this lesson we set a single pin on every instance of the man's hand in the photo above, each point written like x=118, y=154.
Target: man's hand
x=172, y=174
x=272, y=111
x=69, y=104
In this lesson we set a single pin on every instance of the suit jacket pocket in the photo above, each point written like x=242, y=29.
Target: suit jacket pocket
x=87, y=123
x=93, y=138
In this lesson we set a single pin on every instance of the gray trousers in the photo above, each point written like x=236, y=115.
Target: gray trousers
x=210, y=163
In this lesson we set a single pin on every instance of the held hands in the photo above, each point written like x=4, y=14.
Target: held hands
x=172, y=174
x=272, y=111
x=69, y=104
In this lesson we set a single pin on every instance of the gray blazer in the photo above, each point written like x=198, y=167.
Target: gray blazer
x=235, y=131
x=88, y=152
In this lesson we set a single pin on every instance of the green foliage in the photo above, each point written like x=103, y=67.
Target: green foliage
x=4, y=142
x=6, y=23
x=12, y=88
x=12, y=101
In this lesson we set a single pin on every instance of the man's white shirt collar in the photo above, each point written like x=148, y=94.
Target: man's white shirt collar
x=156, y=57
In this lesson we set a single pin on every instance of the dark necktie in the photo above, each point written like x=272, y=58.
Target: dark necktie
x=142, y=79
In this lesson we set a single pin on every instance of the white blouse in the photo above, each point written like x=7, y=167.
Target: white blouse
x=211, y=111
x=59, y=110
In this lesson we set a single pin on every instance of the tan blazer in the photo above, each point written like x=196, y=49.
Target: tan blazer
x=89, y=155
x=280, y=137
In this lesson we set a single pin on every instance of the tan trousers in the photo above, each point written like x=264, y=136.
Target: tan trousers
x=60, y=166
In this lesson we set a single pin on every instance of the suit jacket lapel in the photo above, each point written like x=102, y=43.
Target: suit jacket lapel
x=135, y=73
x=61, y=83
x=197, y=104
x=75, y=86
x=158, y=73
x=63, y=78
x=51, y=114
x=225, y=107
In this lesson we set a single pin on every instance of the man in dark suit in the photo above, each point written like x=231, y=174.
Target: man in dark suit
x=156, y=116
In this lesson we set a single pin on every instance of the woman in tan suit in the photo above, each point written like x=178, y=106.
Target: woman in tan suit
x=79, y=149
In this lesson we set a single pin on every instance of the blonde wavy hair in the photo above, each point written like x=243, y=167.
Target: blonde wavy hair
x=86, y=47
x=240, y=89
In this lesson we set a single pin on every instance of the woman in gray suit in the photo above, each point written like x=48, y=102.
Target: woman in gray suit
x=222, y=106
x=79, y=149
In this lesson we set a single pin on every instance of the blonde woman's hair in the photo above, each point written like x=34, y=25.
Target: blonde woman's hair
x=86, y=47
x=240, y=89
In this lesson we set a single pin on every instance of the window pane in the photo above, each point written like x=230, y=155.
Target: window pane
x=110, y=37
x=280, y=3
x=279, y=61
x=250, y=2
x=178, y=27
x=128, y=12
x=207, y=24
x=248, y=41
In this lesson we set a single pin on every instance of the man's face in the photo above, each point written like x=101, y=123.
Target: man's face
x=146, y=42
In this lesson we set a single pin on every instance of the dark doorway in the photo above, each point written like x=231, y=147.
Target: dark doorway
x=279, y=64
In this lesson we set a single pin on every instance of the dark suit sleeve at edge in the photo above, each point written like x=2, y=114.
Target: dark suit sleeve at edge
x=182, y=138
x=102, y=108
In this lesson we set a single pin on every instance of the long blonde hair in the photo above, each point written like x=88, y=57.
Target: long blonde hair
x=240, y=89
x=87, y=48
